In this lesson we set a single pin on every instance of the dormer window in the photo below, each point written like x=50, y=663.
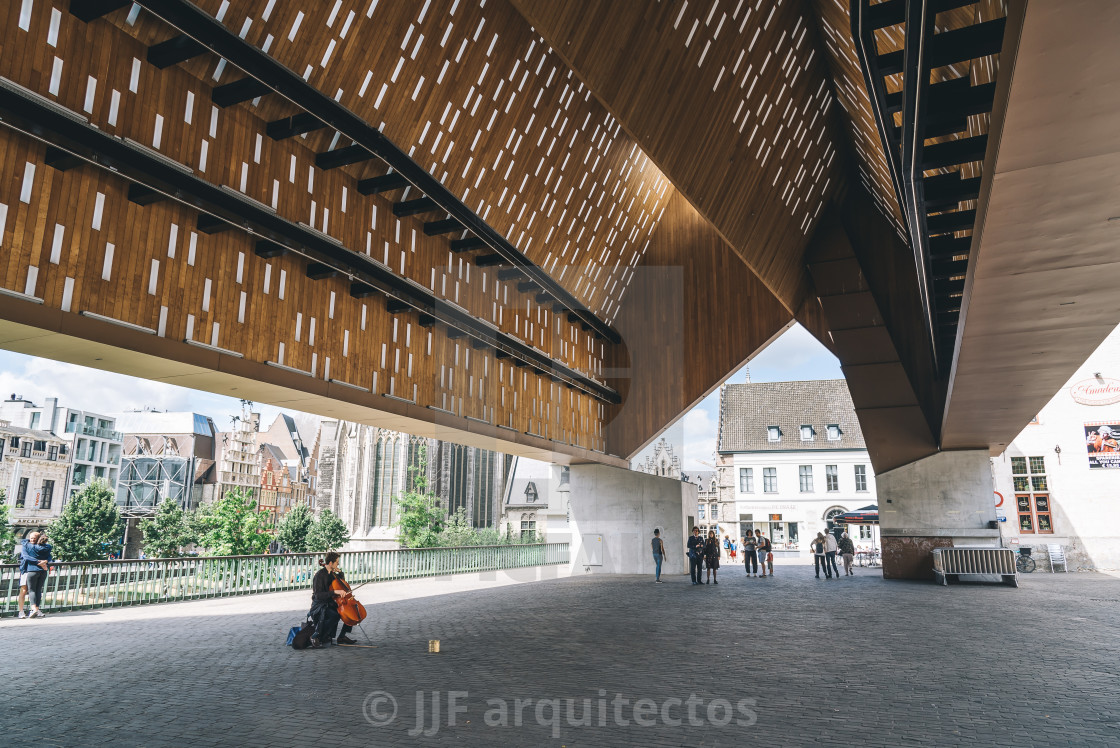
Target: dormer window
x=833, y=432
x=773, y=433
x=806, y=433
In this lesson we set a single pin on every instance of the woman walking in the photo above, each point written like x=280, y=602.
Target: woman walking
x=711, y=557
x=848, y=551
x=819, y=559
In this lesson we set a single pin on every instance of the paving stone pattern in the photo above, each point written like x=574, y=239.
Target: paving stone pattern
x=851, y=662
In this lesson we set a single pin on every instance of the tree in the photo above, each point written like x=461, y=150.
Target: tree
x=420, y=516
x=294, y=531
x=90, y=526
x=459, y=531
x=328, y=533
x=167, y=532
x=7, y=533
x=232, y=526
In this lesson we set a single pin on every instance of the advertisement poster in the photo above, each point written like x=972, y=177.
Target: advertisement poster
x=1101, y=440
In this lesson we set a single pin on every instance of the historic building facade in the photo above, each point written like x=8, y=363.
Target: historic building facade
x=793, y=456
x=34, y=470
x=1057, y=481
x=662, y=462
x=238, y=455
x=362, y=470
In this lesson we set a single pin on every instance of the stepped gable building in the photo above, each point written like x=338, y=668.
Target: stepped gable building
x=662, y=462
x=364, y=469
x=793, y=456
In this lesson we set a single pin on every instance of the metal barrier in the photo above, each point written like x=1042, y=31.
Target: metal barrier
x=949, y=562
x=82, y=585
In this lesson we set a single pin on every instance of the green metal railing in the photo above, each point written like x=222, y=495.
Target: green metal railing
x=83, y=585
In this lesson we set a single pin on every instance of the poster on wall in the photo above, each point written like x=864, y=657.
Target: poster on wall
x=1102, y=440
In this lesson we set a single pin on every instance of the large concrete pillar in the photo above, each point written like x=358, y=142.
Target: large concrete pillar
x=613, y=515
x=944, y=500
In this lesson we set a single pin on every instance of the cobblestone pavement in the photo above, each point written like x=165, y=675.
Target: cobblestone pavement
x=788, y=661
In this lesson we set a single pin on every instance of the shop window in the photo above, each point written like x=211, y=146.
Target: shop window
x=1032, y=498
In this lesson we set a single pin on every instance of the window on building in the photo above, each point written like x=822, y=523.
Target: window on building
x=52, y=452
x=807, y=433
x=773, y=433
x=25, y=449
x=861, y=477
x=770, y=480
x=805, y=476
x=832, y=477
x=715, y=512
x=35, y=420
x=746, y=480
x=865, y=532
x=40, y=446
x=833, y=432
x=700, y=512
x=1032, y=495
x=3, y=443
x=21, y=493
x=48, y=494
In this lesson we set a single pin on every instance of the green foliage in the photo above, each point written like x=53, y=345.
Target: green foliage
x=295, y=528
x=232, y=526
x=420, y=519
x=90, y=526
x=167, y=532
x=7, y=532
x=328, y=533
x=458, y=530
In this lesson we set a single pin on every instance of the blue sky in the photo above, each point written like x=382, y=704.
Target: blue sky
x=794, y=356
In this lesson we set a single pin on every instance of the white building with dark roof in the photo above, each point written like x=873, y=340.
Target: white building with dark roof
x=792, y=456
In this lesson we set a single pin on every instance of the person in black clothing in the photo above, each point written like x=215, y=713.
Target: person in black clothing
x=324, y=609
x=695, y=555
x=711, y=557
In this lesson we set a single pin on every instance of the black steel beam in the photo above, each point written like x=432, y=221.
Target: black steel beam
x=173, y=51
x=466, y=245
x=384, y=183
x=443, y=226
x=143, y=196
x=427, y=320
x=61, y=160
x=361, y=290
x=89, y=10
x=893, y=12
x=506, y=274
x=954, y=152
x=947, y=223
x=297, y=124
x=542, y=297
x=946, y=190
x=209, y=224
x=414, y=207
x=190, y=20
x=944, y=269
x=947, y=247
x=41, y=120
x=966, y=43
x=396, y=306
x=525, y=286
x=245, y=89
x=489, y=260
x=268, y=250
x=351, y=154
x=320, y=271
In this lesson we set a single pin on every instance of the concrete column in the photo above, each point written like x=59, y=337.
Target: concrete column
x=613, y=515
x=942, y=501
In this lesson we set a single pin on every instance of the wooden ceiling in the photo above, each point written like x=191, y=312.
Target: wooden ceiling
x=731, y=100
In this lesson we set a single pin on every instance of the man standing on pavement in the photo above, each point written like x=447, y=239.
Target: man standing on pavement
x=830, y=548
x=695, y=555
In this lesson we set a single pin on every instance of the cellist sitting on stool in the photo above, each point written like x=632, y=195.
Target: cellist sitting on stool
x=324, y=605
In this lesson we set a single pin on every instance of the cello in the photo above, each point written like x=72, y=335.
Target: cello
x=350, y=610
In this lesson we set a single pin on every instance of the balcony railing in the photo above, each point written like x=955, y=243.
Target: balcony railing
x=81, y=428
x=104, y=584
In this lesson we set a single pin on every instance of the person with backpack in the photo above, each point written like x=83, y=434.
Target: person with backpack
x=830, y=549
x=750, y=556
x=695, y=556
x=765, y=557
x=729, y=544
x=658, y=554
x=324, y=605
x=819, y=559
x=711, y=557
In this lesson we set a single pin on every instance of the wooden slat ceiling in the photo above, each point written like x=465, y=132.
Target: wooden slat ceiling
x=729, y=98
x=477, y=98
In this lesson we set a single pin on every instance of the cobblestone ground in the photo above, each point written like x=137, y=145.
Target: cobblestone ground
x=788, y=661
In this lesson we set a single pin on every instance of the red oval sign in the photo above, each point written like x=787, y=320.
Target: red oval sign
x=999, y=499
x=1096, y=391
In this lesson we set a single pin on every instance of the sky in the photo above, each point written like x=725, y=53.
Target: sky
x=793, y=356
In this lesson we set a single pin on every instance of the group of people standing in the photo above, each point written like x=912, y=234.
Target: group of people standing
x=825, y=548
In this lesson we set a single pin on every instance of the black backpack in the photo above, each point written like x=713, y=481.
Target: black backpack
x=300, y=637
